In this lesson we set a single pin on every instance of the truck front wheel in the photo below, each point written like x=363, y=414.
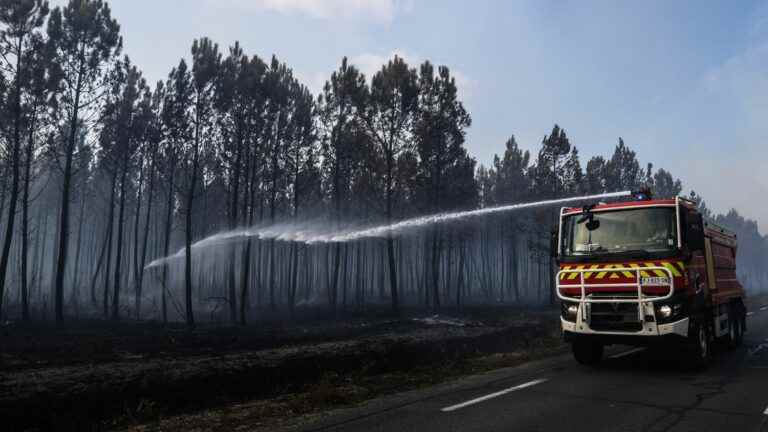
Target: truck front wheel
x=587, y=352
x=699, y=345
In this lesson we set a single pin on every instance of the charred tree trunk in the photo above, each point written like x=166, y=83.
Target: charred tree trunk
x=436, y=268
x=78, y=246
x=233, y=221
x=390, y=241
x=15, y=173
x=25, y=220
x=94, y=300
x=110, y=228
x=145, y=240
x=137, y=271
x=119, y=251
x=251, y=168
x=63, y=237
x=167, y=246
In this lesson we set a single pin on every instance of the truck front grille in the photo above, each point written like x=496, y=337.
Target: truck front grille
x=614, y=317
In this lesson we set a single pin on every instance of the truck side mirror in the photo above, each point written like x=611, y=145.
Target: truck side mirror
x=553, y=243
x=695, y=232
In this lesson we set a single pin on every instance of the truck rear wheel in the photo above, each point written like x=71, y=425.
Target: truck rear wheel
x=735, y=328
x=587, y=352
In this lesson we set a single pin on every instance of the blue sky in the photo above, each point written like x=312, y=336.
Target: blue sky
x=684, y=83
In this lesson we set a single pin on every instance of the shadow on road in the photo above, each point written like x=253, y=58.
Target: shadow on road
x=670, y=361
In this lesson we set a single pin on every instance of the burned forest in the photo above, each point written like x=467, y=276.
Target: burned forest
x=103, y=172
x=226, y=241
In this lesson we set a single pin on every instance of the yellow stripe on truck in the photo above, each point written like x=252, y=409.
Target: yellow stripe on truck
x=602, y=273
x=605, y=269
x=614, y=275
x=669, y=266
x=575, y=274
x=643, y=273
x=593, y=267
x=659, y=273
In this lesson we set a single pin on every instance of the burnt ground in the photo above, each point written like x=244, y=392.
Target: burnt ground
x=95, y=375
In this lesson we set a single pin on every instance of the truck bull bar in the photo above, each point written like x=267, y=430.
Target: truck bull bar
x=640, y=299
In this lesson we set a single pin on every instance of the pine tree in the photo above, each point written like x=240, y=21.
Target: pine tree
x=512, y=181
x=122, y=135
x=573, y=176
x=388, y=117
x=339, y=115
x=19, y=39
x=622, y=171
x=86, y=40
x=240, y=103
x=555, y=148
x=666, y=186
x=439, y=130
x=594, y=177
x=206, y=62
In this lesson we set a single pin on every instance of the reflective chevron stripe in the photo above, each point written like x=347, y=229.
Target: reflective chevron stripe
x=669, y=266
x=643, y=273
x=574, y=275
x=600, y=271
x=593, y=267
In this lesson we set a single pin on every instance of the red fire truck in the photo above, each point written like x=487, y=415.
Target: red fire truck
x=647, y=272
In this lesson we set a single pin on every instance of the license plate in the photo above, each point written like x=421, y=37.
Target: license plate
x=654, y=281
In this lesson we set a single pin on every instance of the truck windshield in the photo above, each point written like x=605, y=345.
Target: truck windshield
x=644, y=230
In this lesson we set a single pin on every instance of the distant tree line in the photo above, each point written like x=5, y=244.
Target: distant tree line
x=101, y=172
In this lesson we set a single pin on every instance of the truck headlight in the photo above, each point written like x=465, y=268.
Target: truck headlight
x=669, y=312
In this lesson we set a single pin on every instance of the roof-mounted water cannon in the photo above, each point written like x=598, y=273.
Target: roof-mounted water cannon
x=588, y=217
x=643, y=194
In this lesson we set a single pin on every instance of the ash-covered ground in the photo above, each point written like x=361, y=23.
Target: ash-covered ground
x=97, y=375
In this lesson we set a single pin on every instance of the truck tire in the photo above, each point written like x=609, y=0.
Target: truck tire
x=587, y=352
x=699, y=346
x=735, y=327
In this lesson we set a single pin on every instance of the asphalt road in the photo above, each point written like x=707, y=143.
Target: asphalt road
x=632, y=390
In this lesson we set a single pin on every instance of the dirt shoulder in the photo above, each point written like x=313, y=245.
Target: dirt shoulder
x=224, y=378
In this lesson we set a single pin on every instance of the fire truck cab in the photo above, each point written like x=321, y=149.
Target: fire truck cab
x=647, y=272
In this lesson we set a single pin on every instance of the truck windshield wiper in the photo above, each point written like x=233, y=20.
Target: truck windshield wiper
x=635, y=252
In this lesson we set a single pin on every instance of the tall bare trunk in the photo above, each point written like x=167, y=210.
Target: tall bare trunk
x=167, y=245
x=137, y=270
x=119, y=251
x=233, y=221
x=145, y=241
x=25, y=220
x=63, y=242
x=78, y=247
x=15, y=174
x=436, y=245
x=110, y=229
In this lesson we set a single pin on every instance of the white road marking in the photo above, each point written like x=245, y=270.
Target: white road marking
x=750, y=313
x=764, y=308
x=766, y=411
x=493, y=395
x=626, y=353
